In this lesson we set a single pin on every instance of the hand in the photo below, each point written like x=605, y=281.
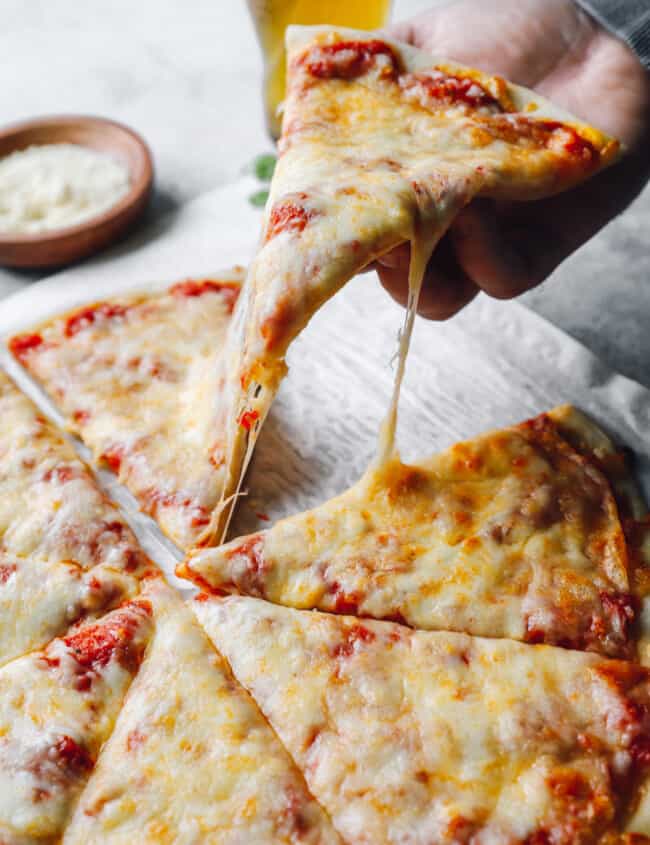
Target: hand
x=555, y=48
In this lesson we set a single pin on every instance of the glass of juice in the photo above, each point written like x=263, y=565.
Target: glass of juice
x=272, y=17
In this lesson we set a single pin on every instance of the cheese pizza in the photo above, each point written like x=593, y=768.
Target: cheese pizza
x=65, y=550
x=514, y=534
x=137, y=378
x=57, y=708
x=381, y=144
x=413, y=737
x=191, y=759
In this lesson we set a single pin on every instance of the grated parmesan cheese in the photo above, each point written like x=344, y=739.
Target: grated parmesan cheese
x=55, y=186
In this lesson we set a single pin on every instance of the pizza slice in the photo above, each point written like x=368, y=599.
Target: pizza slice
x=513, y=534
x=381, y=144
x=57, y=708
x=65, y=550
x=191, y=758
x=136, y=378
x=411, y=736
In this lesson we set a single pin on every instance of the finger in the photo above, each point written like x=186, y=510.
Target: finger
x=397, y=259
x=508, y=248
x=490, y=254
x=445, y=288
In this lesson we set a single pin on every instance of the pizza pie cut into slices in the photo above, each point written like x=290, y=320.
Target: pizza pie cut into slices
x=512, y=534
x=57, y=708
x=65, y=550
x=191, y=758
x=411, y=737
x=137, y=379
x=381, y=144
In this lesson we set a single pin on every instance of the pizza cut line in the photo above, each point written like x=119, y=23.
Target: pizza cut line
x=137, y=378
x=518, y=534
x=381, y=144
x=66, y=552
x=57, y=707
x=413, y=737
x=191, y=758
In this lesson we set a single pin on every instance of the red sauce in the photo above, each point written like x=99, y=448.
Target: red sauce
x=114, y=527
x=113, y=458
x=540, y=837
x=61, y=475
x=72, y=756
x=293, y=818
x=396, y=616
x=276, y=328
x=248, y=419
x=203, y=583
x=355, y=634
x=94, y=646
x=346, y=603
x=640, y=750
x=349, y=60
x=439, y=87
x=534, y=636
x=135, y=739
x=201, y=517
x=198, y=287
x=23, y=344
x=81, y=417
x=287, y=216
x=549, y=134
x=252, y=549
x=6, y=571
x=620, y=610
x=251, y=579
x=87, y=316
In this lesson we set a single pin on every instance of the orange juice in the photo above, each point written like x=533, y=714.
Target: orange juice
x=272, y=17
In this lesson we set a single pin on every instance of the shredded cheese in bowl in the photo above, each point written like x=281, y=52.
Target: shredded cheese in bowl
x=55, y=186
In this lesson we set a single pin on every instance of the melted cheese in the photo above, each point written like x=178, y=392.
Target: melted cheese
x=65, y=551
x=413, y=737
x=513, y=534
x=137, y=379
x=367, y=164
x=191, y=759
x=57, y=707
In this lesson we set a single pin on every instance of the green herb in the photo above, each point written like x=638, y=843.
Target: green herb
x=259, y=198
x=263, y=166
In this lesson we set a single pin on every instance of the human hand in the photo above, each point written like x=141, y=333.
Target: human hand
x=555, y=48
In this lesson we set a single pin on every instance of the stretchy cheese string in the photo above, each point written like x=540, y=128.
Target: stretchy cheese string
x=430, y=226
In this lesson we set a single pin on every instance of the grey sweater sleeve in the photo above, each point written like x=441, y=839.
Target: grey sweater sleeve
x=628, y=19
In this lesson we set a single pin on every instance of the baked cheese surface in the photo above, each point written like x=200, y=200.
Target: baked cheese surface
x=417, y=737
x=192, y=760
x=57, y=708
x=513, y=534
x=65, y=550
x=138, y=379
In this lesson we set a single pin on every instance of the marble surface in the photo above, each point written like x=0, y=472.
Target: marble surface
x=187, y=77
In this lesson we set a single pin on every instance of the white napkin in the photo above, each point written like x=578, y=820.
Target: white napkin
x=496, y=363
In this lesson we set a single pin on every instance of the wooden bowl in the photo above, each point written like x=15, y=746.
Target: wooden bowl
x=62, y=246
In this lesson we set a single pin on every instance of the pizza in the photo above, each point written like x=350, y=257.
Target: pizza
x=65, y=550
x=414, y=737
x=517, y=533
x=57, y=708
x=191, y=758
x=381, y=144
x=137, y=379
